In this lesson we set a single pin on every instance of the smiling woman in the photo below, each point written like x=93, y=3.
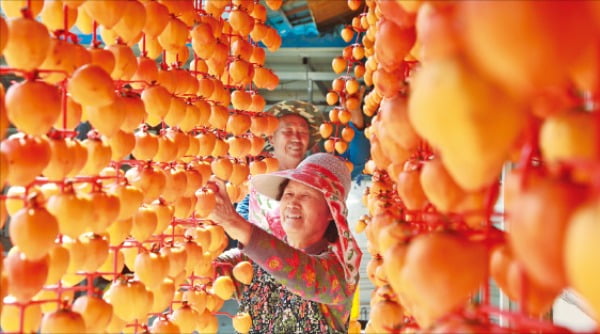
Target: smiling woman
x=305, y=282
x=290, y=141
x=305, y=215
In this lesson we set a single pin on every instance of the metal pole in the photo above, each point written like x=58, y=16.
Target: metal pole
x=504, y=302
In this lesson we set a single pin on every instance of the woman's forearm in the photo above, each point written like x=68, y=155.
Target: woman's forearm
x=237, y=228
x=319, y=278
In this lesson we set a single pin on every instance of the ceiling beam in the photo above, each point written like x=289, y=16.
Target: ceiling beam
x=296, y=10
x=325, y=52
x=308, y=75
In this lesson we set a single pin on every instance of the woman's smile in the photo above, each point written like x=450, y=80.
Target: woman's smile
x=304, y=214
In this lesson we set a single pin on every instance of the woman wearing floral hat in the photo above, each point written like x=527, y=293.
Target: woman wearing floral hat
x=303, y=282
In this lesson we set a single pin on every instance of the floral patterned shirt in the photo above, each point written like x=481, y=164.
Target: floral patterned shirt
x=292, y=290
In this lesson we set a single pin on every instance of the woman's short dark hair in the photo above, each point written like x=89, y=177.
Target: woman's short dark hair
x=282, y=188
x=331, y=234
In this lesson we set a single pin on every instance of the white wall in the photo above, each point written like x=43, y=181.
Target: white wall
x=570, y=311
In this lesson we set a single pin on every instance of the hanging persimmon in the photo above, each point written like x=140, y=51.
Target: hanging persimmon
x=14, y=318
x=272, y=164
x=132, y=22
x=73, y=116
x=560, y=30
x=105, y=13
x=146, y=145
x=259, y=31
x=438, y=185
x=63, y=59
x=77, y=258
x=387, y=315
x=13, y=8
x=258, y=103
x=223, y=287
x=62, y=159
x=3, y=170
x=447, y=255
x=257, y=144
x=106, y=210
x=103, y=58
x=63, y=320
x=56, y=17
x=176, y=111
x=157, y=101
x=185, y=318
x=409, y=186
x=33, y=229
x=546, y=203
x=135, y=112
x=26, y=277
x=99, y=154
x=90, y=85
x=218, y=117
x=177, y=258
x=174, y=35
x=162, y=324
x=125, y=62
x=157, y=17
x=80, y=154
x=95, y=311
x=73, y=3
x=130, y=299
x=151, y=268
x=107, y=119
x=70, y=209
x=58, y=264
x=27, y=43
x=272, y=39
x=149, y=180
x=222, y=167
x=121, y=145
x=203, y=40
x=194, y=181
x=19, y=150
x=205, y=202
x=274, y=4
x=144, y=223
x=167, y=149
x=23, y=97
x=175, y=186
x=238, y=123
x=241, y=22
x=119, y=230
x=243, y=272
x=129, y=196
x=163, y=295
x=392, y=43
x=239, y=173
x=581, y=251
x=259, y=124
x=207, y=143
x=196, y=298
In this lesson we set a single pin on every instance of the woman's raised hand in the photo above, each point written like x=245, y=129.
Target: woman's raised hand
x=224, y=213
x=223, y=207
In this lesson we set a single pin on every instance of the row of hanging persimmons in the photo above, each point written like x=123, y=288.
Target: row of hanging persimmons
x=131, y=193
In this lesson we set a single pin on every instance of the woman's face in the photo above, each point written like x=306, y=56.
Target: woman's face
x=290, y=141
x=305, y=214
